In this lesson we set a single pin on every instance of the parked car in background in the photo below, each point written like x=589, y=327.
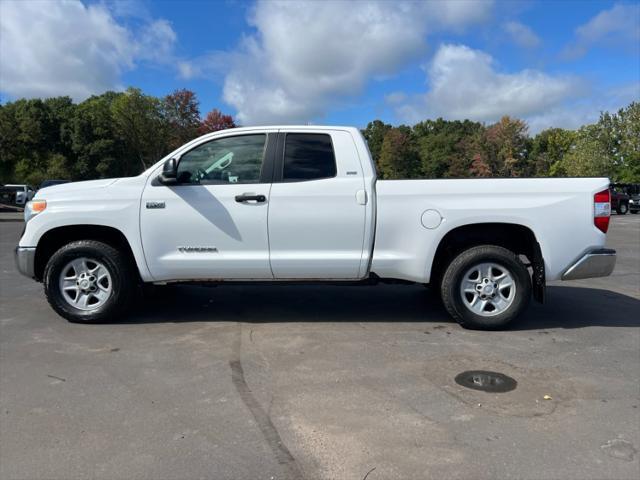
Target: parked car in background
x=302, y=204
x=16, y=194
x=634, y=203
x=619, y=200
x=630, y=189
x=50, y=183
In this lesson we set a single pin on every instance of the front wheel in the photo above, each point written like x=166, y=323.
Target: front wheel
x=622, y=209
x=485, y=287
x=89, y=282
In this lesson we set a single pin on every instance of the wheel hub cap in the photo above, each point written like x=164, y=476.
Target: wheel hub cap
x=85, y=283
x=488, y=289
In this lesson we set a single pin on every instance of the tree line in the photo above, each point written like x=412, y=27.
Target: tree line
x=122, y=133
x=465, y=149
x=109, y=135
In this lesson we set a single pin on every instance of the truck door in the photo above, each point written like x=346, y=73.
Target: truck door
x=213, y=224
x=317, y=207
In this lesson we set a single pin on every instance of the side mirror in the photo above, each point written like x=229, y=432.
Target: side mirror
x=169, y=175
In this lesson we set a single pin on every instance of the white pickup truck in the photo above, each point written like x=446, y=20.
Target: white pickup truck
x=303, y=204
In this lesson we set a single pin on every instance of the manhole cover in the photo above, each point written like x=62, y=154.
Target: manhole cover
x=486, y=381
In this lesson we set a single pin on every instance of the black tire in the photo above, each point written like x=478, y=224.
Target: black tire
x=634, y=211
x=453, y=277
x=622, y=209
x=119, y=268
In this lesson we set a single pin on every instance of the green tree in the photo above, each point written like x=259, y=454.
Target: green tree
x=624, y=130
x=61, y=111
x=588, y=157
x=446, y=148
x=374, y=134
x=140, y=125
x=9, y=145
x=98, y=150
x=58, y=167
x=28, y=132
x=548, y=148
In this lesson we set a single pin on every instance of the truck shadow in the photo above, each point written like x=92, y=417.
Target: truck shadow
x=566, y=307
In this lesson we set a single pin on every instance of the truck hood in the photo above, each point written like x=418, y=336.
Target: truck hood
x=55, y=190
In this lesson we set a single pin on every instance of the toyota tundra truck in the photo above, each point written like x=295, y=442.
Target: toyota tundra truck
x=303, y=204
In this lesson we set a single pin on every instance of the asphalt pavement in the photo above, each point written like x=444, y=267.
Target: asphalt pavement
x=315, y=382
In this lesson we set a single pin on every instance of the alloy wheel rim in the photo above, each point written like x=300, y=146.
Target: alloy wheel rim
x=488, y=289
x=85, y=283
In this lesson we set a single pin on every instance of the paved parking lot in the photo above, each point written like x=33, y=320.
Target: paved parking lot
x=321, y=382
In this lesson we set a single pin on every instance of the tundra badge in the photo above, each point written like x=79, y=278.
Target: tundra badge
x=198, y=249
x=155, y=204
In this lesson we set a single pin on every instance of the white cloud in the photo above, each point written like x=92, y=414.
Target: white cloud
x=187, y=70
x=395, y=98
x=309, y=55
x=617, y=27
x=155, y=42
x=67, y=48
x=521, y=34
x=582, y=111
x=464, y=83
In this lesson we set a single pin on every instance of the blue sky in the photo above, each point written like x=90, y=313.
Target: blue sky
x=551, y=63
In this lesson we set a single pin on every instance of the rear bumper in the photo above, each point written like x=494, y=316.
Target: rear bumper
x=25, y=261
x=593, y=263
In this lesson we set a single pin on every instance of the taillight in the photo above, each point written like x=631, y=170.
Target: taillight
x=602, y=210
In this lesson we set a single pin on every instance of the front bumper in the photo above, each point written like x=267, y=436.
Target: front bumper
x=593, y=263
x=25, y=261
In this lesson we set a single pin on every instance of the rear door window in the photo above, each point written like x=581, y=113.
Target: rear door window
x=308, y=156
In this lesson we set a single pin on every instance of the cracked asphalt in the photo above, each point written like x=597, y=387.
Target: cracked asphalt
x=287, y=382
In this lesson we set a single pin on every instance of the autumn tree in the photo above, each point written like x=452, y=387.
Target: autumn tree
x=398, y=155
x=479, y=167
x=214, y=121
x=505, y=145
x=182, y=114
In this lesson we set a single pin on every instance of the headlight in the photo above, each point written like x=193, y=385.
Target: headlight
x=32, y=208
x=632, y=201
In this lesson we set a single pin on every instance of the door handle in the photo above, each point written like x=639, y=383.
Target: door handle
x=250, y=197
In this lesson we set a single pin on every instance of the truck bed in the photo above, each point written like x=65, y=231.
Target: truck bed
x=560, y=210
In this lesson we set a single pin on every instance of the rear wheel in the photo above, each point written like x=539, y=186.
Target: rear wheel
x=486, y=287
x=89, y=282
x=622, y=209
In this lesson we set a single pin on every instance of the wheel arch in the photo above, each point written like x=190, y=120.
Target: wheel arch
x=518, y=238
x=57, y=237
